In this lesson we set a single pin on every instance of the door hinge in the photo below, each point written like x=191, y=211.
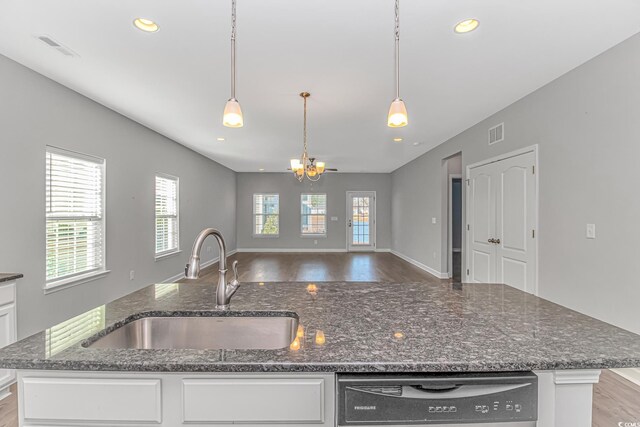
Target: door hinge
x=467, y=227
x=533, y=169
x=467, y=271
x=467, y=181
x=533, y=234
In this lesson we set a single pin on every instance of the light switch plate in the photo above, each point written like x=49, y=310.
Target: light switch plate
x=334, y=218
x=591, y=231
x=433, y=220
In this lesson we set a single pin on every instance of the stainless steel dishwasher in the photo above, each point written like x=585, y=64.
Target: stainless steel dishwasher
x=498, y=400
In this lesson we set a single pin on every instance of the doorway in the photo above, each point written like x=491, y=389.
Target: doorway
x=361, y=221
x=502, y=211
x=455, y=227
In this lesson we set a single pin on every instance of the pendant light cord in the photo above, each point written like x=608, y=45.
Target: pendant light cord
x=233, y=49
x=397, y=50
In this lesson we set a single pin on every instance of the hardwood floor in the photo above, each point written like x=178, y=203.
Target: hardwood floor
x=321, y=267
x=9, y=409
x=615, y=399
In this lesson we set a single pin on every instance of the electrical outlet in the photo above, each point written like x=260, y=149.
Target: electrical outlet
x=591, y=231
x=334, y=218
x=315, y=242
x=132, y=275
x=433, y=220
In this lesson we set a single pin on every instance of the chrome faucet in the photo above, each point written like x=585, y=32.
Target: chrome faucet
x=225, y=290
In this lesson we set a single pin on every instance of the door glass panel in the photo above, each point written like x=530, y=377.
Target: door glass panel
x=360, y=221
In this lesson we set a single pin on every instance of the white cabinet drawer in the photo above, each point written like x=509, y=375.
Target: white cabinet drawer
x=259, y=400
x=7, y=293
x=92, y=400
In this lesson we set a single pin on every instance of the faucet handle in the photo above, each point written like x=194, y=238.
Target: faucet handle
x=234, y=266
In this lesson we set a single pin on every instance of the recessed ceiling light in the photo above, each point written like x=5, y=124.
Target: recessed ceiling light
x=397, y=139
x=220, y=139
x=466, y=26
x=146, y=25
x=416, y=144
x=261, y=169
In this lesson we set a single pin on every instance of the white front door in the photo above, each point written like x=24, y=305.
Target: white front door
x=361, y=220
x=501, y=218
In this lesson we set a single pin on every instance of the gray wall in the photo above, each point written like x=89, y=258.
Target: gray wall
x=35, y=112
x=335, y=185
x=587, y=125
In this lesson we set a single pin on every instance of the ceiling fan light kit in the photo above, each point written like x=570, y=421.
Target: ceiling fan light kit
x=307, y=166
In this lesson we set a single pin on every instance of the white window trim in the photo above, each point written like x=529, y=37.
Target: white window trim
x=326, y=211
x=159, y=256
x=89, y=276
x=253, y=216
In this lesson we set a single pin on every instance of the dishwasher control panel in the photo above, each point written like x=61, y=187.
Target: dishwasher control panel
x=409, y=399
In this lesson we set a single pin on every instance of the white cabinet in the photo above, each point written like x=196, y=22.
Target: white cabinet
x=121, y=399
x=8, y=330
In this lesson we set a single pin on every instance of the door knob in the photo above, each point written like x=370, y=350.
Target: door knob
x=349, y=223
x=492, y=240
x=497, y=241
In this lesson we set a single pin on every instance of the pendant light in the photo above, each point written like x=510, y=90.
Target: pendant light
x=397, y=117
x=232, y=117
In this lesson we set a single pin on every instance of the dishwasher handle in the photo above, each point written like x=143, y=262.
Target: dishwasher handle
x=457, y=392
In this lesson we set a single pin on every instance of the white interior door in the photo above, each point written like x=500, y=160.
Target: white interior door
x=516, y=221
x=482, y=224
x=361, y=220
x=501, y=218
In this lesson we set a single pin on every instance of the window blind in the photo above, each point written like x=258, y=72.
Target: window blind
x=314, y=214
x=74, y=214
x=167, y=232
x=266, y=214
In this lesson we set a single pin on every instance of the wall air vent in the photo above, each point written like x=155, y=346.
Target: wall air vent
x=57, y=46
x=496, y=134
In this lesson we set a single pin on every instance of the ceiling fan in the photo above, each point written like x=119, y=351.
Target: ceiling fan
x=307, y=166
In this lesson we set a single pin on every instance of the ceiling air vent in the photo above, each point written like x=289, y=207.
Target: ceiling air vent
x=496, y=134
x=57, y=46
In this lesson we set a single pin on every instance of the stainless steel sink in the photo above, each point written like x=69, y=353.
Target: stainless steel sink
x=203, y=333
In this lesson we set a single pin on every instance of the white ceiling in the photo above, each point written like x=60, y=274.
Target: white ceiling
x=176, y=81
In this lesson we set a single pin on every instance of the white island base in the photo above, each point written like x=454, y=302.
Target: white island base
x=64, y=398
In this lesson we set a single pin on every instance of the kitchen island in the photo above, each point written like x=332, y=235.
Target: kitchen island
x=344, y=328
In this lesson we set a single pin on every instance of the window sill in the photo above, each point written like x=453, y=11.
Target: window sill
x=160, y=257
x=60, y=285
x=313, y=236
x=266, y=236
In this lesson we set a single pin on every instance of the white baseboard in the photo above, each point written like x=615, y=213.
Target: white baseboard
x=305, y=250
x=421, y=266
x=631, y=374
x=206, y=264
x=287, y=250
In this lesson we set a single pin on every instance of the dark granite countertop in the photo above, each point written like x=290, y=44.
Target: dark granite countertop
x=368, y=327
x=6, y=277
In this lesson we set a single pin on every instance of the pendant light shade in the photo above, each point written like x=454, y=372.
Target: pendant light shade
x=397, y=114
x=397, y=117
x=232, y=114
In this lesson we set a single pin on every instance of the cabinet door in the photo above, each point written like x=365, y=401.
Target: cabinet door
x=7, y=336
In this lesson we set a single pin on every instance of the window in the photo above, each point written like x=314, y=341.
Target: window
x=75, y=241
x=167, y=222
x=314, y=214
x=266, y=215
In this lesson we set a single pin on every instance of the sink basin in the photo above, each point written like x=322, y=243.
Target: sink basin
x=203, y=333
